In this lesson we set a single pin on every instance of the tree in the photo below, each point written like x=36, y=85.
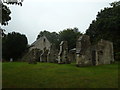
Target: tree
x=70, y=35
x=5, y=11
x=14, y=44
x=13, y=2
x=5, y=15
x=106, y=26
x=114, y=4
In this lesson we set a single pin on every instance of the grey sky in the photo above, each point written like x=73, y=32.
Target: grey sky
x=53, y=15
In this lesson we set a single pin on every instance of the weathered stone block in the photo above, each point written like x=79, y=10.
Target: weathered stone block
x=83, y=51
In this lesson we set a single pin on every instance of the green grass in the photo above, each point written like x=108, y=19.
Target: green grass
x=50, y=75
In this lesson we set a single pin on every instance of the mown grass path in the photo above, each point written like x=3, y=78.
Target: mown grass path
x=50, y=75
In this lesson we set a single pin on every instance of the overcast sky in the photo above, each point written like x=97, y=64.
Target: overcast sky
x=53, y=15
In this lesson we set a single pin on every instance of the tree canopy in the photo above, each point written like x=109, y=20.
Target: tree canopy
x=13, y=45
x=13, y=2
x=106, y=26
x=5, y=11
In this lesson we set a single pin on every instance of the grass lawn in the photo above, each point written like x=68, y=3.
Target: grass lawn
x=50, y=75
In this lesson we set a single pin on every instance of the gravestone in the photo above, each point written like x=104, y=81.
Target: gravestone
x=63, y=53
x=11, y=59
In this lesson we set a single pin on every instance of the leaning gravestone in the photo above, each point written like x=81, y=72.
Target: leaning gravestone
x=63, y=53
x=11, y=59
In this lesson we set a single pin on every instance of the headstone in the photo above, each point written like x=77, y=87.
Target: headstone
x=11, y=59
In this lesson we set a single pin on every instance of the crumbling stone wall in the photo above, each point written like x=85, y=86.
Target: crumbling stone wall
x=83, y=51
x=63, y=53
x=43, y=56
x=32, y=59
x=41, y=43
x=29, y=55
x=42, y=47
x=104, y=52
x=87, y=54
x=52, y=54
x=72, y=55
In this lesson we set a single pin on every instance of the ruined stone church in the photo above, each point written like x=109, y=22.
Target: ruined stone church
x=85, y=53
x=42, y=50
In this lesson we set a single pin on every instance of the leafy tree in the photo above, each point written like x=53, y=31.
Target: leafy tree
x=70, y=35
x=5, y=15
x=13, y=2
x=14, y=44
x=106, y=26
x=114, y=4
x=5, y=11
